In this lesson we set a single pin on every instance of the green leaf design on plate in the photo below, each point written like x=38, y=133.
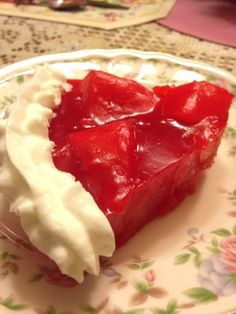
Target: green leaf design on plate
x=193, y=250
x=142, y=287
x=146, y=264
x=20, y=79
x=11, y=305
x=170, y=309
x=211, y=78
x=234, y=230
x=230, y=132
x=171, y=306
x=200, y=295
x=134, y=266
x=213, y=249
x=6, y=101
x=197, y=260
x=6, y=255
x=182, y=258
x=215, y=243
x=232, y=277
x=222, y=232
x=3, y=255
x=36, y=277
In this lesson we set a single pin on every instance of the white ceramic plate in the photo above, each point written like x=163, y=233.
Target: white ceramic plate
x=184, y=262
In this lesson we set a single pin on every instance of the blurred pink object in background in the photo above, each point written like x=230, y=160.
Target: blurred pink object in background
x=213, y=20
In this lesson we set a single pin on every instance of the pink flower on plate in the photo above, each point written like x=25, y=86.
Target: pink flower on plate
x=150, y=275
x=228, y=254
x=214, y=276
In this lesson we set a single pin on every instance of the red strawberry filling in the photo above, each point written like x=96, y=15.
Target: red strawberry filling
x=138, y=152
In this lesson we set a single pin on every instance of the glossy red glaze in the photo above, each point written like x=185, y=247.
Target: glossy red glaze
x=138, y=152
x=192, y=102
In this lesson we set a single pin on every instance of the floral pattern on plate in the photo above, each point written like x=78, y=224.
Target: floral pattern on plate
x=184, y=262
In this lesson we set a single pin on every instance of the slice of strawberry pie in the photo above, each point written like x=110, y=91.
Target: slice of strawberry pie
x=137, y=152
x=122, y=155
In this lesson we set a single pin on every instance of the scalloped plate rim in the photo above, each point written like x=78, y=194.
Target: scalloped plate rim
x=13, y=69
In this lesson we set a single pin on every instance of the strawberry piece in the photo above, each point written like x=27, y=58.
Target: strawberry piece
x=97, y=99
x=104, y=158
x=107, y=97
x=161, y=91
x=190, y=103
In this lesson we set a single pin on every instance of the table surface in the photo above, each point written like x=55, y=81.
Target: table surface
x=22, y=38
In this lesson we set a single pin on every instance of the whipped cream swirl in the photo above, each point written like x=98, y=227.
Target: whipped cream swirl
x=60, y=218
